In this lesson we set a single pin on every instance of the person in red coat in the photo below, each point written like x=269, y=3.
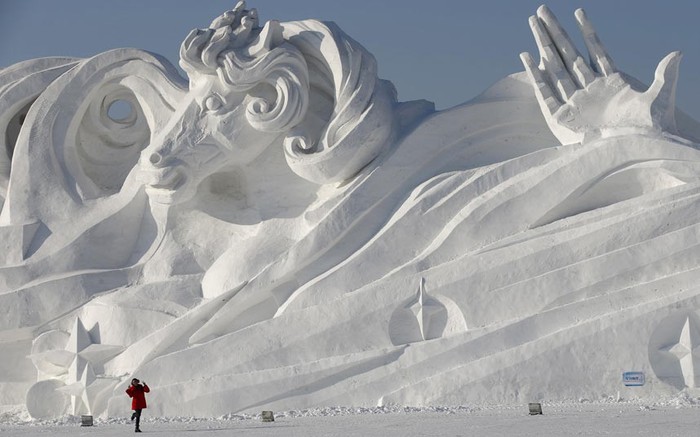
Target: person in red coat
x=137, y=393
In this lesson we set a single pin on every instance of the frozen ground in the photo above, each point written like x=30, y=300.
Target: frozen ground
x=677, y=417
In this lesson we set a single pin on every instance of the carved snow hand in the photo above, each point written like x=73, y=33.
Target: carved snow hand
x=582, y=101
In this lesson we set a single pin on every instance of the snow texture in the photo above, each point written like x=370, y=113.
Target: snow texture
x=675, y=417
x=279, y=232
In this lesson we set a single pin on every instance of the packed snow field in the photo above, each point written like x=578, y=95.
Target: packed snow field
x=672, y=417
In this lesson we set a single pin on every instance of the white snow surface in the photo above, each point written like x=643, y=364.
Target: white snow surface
x=611, y=417
x=280, y=233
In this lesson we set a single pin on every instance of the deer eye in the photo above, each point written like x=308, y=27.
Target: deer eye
x=213, y=103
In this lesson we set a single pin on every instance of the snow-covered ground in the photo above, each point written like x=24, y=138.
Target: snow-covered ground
x=672, y=417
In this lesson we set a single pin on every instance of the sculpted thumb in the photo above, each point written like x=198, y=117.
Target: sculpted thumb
x=662, y=93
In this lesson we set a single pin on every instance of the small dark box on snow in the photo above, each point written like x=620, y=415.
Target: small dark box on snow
x=535, y=408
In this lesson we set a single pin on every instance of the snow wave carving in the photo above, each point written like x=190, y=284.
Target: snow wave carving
x=252, y=237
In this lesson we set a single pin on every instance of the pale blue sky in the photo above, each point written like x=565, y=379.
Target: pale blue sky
x=446, y=51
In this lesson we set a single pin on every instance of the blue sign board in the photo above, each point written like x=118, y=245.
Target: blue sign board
x=633, y=379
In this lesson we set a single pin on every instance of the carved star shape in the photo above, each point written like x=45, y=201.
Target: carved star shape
x=424, y=308
x=82, y=384
x=687, y=351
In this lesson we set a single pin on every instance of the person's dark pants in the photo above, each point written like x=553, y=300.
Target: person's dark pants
x=137, y=416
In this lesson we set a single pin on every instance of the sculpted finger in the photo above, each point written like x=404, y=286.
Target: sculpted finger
x=543, y=91
x=600, y=60
x=551, y=62
x=571, y=57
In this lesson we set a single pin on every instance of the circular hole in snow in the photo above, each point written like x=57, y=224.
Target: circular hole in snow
x=120, y=110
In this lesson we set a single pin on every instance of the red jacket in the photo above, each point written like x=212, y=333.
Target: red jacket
x=137, y=393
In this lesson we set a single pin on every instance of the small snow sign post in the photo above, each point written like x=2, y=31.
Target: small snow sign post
x=85, y=420
x=633, y=379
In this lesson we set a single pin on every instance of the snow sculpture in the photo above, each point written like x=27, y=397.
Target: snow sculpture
x=424, y=317
x=674, y=349
x=260, y=229
x=77, y=357
x=579, y=100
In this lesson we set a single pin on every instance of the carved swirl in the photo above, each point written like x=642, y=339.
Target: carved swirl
x=285, y=70
x=362, y=121
x=242, y=58
x=302, y=62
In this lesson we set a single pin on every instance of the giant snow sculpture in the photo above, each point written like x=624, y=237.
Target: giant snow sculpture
x=281, y=232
